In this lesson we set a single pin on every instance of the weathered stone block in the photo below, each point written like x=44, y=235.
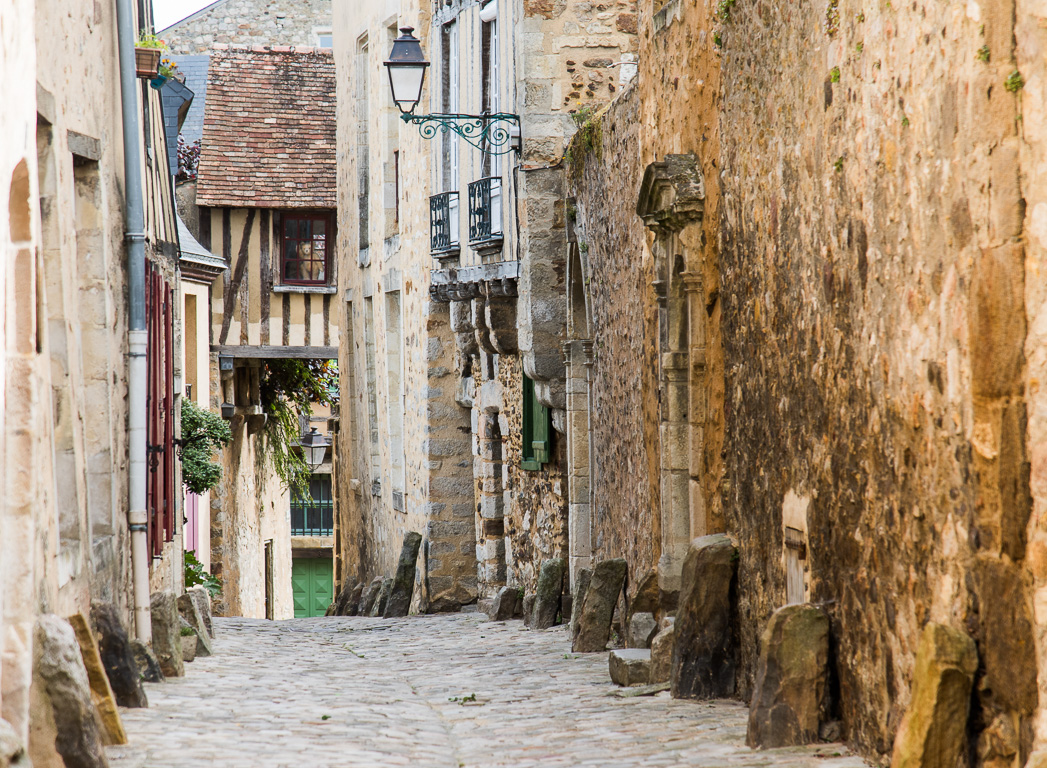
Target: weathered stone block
x=642, y=628
x=167, y=643
x=646, y=599
x=190, y=613
x=146, y=662
x=630, y=666
x=118, y=658
x=790, y=702
x=933, y=730
x=528, y=609
x=101, y=693
x=585, y=575
x=705, y=651
x=547, y=598
x=58, y=670
x=190, y=644
x=370, y=596
x=662, y=655
x=401, y=590
x=504, y=605
x=202, y=598
x=348, y=601
x=593, y=629
x=378, y=609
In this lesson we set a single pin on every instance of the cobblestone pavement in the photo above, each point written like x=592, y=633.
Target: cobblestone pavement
x=389, y=692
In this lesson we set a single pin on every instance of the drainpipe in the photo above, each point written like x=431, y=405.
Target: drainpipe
x=137, y=335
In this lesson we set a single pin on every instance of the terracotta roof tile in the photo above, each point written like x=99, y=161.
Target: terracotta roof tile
x=269, y=130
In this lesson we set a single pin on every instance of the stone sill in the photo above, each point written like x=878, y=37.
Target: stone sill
x=305, y=289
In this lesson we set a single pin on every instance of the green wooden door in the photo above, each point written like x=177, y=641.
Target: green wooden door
x=312, y=585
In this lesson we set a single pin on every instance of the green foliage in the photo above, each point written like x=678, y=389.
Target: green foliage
x=723, y=9
x=983, y=54
x=1014, y=82
x=834, y=75
x=905, y=121
x=831, y=23
x=149, y=40
x=187, y=632
x=203, y=433
x=838, y=164
x=587, y=139
x=290, y=388
x=717, y=40
x=195, y=575
x=860, y=47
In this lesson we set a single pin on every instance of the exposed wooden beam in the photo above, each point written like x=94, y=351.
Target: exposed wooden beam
x=317, y=353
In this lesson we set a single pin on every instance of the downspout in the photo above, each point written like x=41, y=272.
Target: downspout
x=137, y=517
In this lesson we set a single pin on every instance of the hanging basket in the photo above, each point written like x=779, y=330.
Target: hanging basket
x=147, y=62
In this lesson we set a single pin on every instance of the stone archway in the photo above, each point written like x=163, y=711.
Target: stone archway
x=671, y=204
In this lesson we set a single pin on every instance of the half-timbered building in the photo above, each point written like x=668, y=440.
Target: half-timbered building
x=266, y=197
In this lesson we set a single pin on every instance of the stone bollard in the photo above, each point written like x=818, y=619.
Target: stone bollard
x=386, y=588
x=504, y=606
x=593, y=628
x=401, y=590
x=58, y=670
x=167, y=637
x=705, y=651
x=202, y=598
x=933, y=730
x=190, y=613
x=790, y=700
x=117, y=656
x=370, y=596
x=101, y=692
x=580, y=588
x=547, y=597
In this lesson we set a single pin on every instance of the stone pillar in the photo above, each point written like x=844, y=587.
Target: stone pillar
x=450, y=547
x=675, y=468
x=696, y=412
x=578, y=356
x=490, y=546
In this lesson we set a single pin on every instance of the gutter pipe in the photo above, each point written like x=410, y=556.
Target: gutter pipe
x=137, y=335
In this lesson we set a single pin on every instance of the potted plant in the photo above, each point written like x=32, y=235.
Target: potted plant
x=168, y=70
x=148, y=50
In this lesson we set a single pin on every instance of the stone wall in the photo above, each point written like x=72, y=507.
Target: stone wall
x=613, y=306
x=536, y=500
x=250, y=22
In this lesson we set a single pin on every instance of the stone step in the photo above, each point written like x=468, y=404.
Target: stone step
x=630, y=666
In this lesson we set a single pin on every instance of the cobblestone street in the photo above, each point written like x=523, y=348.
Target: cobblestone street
x=371, y=692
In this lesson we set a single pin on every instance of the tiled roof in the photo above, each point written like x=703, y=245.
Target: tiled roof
x=269, y=129
x=195, y=70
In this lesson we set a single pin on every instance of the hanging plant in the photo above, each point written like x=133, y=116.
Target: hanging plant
x=203, y=433
x=290, y=388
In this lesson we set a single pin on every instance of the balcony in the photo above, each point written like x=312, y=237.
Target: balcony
x=485, y=215
x=443, y=224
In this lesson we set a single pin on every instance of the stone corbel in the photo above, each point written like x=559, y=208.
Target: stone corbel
x=500, y=317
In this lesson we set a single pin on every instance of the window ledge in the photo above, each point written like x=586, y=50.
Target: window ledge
x=305, y=289
x=530, y=465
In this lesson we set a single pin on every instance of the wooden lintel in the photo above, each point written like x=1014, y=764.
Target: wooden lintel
x=274, y=351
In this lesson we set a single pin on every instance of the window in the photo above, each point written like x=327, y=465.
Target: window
x=536, y=423
x=304, y=239
x=324, y=38
x=314, y=515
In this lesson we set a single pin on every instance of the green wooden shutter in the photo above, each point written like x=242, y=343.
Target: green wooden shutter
x=535, y=432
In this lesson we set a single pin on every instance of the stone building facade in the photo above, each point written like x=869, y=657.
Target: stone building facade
x=68, y=514
x=453, y=268
x=808, y=252
x=303, y=24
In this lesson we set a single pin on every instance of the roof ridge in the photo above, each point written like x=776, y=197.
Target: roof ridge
x=295, y=49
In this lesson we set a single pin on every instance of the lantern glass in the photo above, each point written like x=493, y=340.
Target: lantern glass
x=406, y=65
x=314, y=448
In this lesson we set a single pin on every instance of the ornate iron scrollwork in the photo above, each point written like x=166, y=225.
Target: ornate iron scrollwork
x=492, y=133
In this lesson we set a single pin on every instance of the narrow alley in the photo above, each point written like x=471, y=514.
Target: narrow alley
x=367, y=692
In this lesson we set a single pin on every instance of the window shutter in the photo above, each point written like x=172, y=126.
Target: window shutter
x=540, y=438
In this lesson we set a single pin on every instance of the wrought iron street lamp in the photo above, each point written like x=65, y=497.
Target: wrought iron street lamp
x=495, y=133
x=314, y=447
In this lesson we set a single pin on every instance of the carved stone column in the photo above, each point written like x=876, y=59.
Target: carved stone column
x=578, y=357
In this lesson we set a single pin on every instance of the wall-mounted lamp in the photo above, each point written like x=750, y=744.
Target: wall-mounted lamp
x=496, y=134
x=314, y=447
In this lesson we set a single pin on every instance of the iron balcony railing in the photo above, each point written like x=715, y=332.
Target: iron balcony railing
x=310, y=517
x=485, y=209
x=443, y=222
